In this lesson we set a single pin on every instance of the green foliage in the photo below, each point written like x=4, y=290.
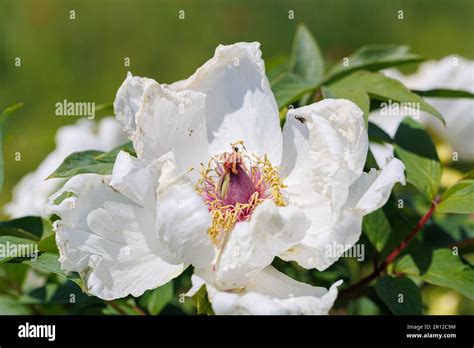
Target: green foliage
x=305, y=71
x=439, y=267
x=373, y=58
x=361, y=86
x=90, y=161
x=458, y=199
x=444, y=93
x=423, y=169
x=377, y=228
x=29, y=227
x=156, y=300
x=306, y=60
x=200, y=299
x=400, y=294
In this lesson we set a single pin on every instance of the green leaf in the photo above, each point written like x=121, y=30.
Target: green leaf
x=52, y=293
x=12, y=247
x=29, y=227
x=10, y=306
x=8, y=111
x=423, y=169
x=48, y=244
x=306, y=59
x=377, y=228
x=362, y=85
x=439, y=267
x=49, y=262
x=374, y=58
x=445, y=93
x=289, y=87
x=377, y=134
x=200, y=299
x=458, y=199
x=90, y=161
x=305, y=70
x=276, y=66
x=156, y=300
x=400, y=294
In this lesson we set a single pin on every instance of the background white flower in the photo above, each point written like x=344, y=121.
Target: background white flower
x=31, y=193
x=452, y=72
x=218, y=185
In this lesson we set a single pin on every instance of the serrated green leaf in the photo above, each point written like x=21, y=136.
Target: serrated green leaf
x=400, y=294
x=90, y=161
x=373, y=58
x=458, y=199
x=439, y=267
x=377, y=229
x=423, y=169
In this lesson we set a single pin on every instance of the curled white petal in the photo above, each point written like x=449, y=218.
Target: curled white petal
x=371, y=191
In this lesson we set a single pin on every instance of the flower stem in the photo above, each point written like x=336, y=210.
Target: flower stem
x=393, y=255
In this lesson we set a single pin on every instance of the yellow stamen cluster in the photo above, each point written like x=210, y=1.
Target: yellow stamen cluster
x=224, y=217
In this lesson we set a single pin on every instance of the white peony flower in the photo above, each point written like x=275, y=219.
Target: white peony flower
x=451, y=72
x=32, y=191
x=218, y=185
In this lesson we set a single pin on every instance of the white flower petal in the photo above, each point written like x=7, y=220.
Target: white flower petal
x=175, y=121
x=182, y=219
x=272, y=293
x=109, y=239
x=129, y=175
x=325, y=147
x=129, y=100
x=383, y=153
x=239, y=102
x=252, y=245
x=371, y=191
x=326, y=240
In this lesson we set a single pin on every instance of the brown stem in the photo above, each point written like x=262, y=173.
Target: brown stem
x=393, y=255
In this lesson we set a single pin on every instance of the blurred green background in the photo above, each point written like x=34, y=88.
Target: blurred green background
x=83, y=59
